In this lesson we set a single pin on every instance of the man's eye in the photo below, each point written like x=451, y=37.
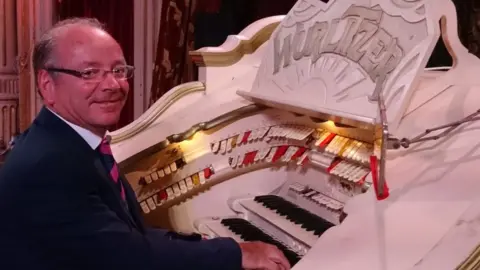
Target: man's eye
x=90, y=73
x=119, y=70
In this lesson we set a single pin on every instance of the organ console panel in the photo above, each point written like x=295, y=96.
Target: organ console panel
x=322, y=132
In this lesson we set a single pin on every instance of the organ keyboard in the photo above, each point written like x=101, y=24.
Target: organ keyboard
x=284, y=140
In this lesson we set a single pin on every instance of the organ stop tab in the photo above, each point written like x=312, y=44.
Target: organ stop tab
x=322, y=132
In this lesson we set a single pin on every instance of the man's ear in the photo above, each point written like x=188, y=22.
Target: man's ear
x=46, y=86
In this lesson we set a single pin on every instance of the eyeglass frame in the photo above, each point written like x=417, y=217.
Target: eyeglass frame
x=81, y=74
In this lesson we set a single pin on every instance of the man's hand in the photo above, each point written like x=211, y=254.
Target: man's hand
x=258, y=255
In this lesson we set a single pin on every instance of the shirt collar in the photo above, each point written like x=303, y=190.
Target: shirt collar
x=91, y=138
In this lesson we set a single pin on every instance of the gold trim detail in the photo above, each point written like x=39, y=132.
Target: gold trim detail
x=222, y=59
x=472, y=262
x=203, y=126
x=220, y=120
x=146, y=119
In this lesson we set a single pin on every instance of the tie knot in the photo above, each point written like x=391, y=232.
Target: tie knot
x=105, y=146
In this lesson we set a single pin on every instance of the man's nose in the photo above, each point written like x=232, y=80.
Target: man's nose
x=110, y=81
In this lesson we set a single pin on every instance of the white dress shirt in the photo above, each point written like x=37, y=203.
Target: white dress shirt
x=92, y=139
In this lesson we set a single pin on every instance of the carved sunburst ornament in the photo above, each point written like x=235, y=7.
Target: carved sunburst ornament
x=327, y=56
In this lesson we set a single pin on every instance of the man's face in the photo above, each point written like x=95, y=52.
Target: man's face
x=92, y=103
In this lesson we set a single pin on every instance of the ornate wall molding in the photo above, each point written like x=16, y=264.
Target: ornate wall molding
x=9, y=79
x=23, y=25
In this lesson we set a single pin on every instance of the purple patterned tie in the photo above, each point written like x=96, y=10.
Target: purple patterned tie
x=110, y=163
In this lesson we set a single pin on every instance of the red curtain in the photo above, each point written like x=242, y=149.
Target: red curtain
x=117, y=15
x=173, y=65
x=209, y=6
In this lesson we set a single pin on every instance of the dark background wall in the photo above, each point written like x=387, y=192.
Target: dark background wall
x=234, y=15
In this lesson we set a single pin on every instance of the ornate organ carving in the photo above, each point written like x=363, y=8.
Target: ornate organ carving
x=293, y=140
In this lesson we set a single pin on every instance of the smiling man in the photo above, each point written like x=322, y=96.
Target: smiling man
x=63, y=202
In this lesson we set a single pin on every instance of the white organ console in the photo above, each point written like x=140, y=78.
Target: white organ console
x=323, y=133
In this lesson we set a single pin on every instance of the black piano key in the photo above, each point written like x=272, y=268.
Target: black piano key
x=142, y=181
x=180, y=163
x=249, y=232
x=295, y=214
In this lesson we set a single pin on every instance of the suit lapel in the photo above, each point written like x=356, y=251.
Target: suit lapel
x=74, y=142
x=133, y=203
x=117, y=202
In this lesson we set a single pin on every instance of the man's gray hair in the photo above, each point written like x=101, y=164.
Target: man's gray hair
x=43, y=53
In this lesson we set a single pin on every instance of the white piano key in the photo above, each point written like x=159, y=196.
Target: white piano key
x=253, y=135
x=161, y=173
x=362, y=150
x=336, y=205
x=201, y=175
x=167, y=170
x=286, y=131
x=348, y=168
x=290, y=152
x=176, y=190
x=189, y=182
x=144, y=207
x=353, y=150
x=340, y=143
x=239, y=160
x=338, y=168
x=173, y=167
x=297, y=187
x=271, y=154
x=301, y=133
x=223, y=147
x=305, y=133
x=154, y=176
x=329, y=148
x=170, y=193
x=148, y=179
x=156, y=199
x=302, y=158
x=351, y=174
x=151, y=204
x=297, y=132
x=233, y=161
x=354, y=155
x=215, y=146
x=311, y=193
x=344, y=146
x=360, y=175
x=291, y=228
x=183, y=186
x=264, y=153
x=259, y=155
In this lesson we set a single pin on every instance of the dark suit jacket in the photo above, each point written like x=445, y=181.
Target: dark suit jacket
x=60, y=210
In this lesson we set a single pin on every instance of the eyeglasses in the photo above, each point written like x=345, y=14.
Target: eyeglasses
x=97, y=74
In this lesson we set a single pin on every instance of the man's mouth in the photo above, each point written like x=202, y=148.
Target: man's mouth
x=110, y=104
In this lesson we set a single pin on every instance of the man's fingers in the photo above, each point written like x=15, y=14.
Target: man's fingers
x=271, y=265
x=277, y=256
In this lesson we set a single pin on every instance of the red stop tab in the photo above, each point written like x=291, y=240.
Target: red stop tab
x=280, y=152
x=374, y=168
x=162, y=195
x=299, y=153
x=207, y=172
x=245, y=137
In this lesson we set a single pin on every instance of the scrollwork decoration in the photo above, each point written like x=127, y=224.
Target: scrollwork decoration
x=22, y=62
